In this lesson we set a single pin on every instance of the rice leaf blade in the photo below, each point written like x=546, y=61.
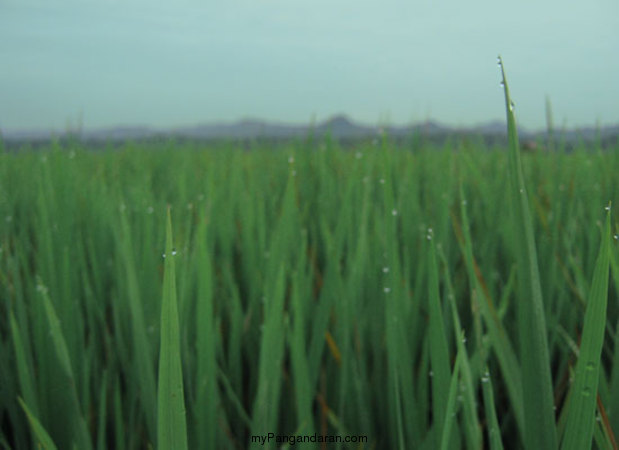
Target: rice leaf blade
x=439, y=350
x=171, y=420
x=582, y=406
x=494, y=430
x=540, y=430
x=38, y=430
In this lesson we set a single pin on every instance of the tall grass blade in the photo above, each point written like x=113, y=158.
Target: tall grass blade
x=266, y=404
x=582, y=405
x=452, y=405
x=76, y=422
x=614, y=378
x=171, y=420
x=503, y=348
x=494, y=430
x=439, y=350
x=540, y=432
x=207, y=398
x=24, y=368
x=471, y=427
x=43, y=438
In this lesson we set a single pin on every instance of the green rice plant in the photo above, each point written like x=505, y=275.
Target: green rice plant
x=439, y=350
x=79, y=433
x=471, y=427
x=499, y=339
x=171, y=420
x=142, y=361
x=308, y=295
x=298, y=353
x=614, y=376
x=24, y=369
x=494, y=429
x=539, y=422
x=207, y=395
x=42, y=438
x=452, y=405
x=582, y=404
x=266, y=403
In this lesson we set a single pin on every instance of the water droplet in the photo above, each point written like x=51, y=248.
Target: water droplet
x=382, y=181
x=502, y=84
x=431, y=374
x=173, y=252
x=291, y=160
x=512, y=106
x=385, y=269
x=463, y=202
x=522, y=191
x=464, y=340
x=554, y=407
x=386, y=290
x=150, y=210
x=616, y=236
x=163, y=255
x=590, y=365
x=394, y=212
x=429, y=237
x=607, y=208
x=485, y=379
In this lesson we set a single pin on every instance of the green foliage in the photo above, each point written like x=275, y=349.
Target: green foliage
x=539, y=422
x=583, y=404
x=304, y=296
x=171, y=420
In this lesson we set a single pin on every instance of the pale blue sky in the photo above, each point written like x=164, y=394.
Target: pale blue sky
x=170, y=63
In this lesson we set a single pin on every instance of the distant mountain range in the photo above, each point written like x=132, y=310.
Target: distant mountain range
x=339, y=127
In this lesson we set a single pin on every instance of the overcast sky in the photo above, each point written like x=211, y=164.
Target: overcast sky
x=168, y=63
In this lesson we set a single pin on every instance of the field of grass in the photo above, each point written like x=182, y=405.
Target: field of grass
x=422, y=297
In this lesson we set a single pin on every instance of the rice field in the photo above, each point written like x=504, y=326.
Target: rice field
x=178, y=295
